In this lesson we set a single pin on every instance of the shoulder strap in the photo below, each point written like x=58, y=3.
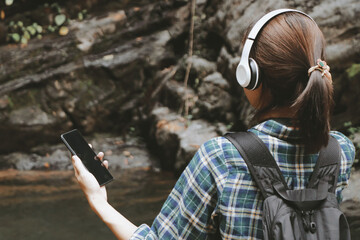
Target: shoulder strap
x=261, y=164
x=328, y=165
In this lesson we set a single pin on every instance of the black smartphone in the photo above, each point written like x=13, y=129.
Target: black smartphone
x=77, y=145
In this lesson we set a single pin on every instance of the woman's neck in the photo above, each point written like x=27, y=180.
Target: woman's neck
x=279, y=112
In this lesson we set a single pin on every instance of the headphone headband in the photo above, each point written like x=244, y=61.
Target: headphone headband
x=244, y=74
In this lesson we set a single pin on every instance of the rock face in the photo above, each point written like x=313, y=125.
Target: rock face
x=90, y=79
x=115, y=71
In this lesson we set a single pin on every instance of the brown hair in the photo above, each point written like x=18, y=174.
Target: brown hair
x=284, y=50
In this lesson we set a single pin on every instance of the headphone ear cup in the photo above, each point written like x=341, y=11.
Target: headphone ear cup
x=255, y=75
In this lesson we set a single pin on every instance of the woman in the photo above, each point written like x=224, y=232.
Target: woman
x=216, y=194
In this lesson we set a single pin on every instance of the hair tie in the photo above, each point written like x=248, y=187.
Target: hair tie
x=321, y=66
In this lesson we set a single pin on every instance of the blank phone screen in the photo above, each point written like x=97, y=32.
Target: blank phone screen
x=78, y=145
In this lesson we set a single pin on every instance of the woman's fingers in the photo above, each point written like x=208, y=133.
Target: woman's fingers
x=100, y=156
x=73, y=162
x=78, y=165
x=105, y=164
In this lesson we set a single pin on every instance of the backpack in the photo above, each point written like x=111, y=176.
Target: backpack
x=311, y=213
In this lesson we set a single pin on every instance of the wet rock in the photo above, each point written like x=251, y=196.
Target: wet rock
x=58, y=159
x=352, y=213
x=4, y=102
x=164, y=135
x=352, y=192
x=176, y=140
x=124, y=153
x=174, y=94
x=30, y=116
x=121, y=154
x=149, y=49
x=214, y=103
x=89, y=31
x=351, y=203
x=201, y=66
x=20, y=161
x=27, y=126
x=217, y=79
x=227, y=64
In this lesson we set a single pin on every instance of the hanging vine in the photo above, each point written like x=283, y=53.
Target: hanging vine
x=190, y=53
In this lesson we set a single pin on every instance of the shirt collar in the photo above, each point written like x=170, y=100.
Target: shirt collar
x=281, y=128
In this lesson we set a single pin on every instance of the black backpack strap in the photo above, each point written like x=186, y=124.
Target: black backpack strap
x=327, y=166
x=261, y=164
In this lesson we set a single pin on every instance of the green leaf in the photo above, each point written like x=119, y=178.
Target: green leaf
x=26, y=35
x=80, y=16
x=24, y=40
x=20, y=24
x=15, y=37
x=56, y=7
x=39, y=29
x=60, y=19
x=51, y=28
x=39, y=36
x=9, y=2
x=31, y=30
x=353, y=70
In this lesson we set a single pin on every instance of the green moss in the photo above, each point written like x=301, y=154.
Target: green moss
x=11, y=104
x=24, y=98
x=353, y=70
x=348, y=124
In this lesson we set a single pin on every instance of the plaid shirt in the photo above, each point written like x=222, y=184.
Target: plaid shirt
x=216, y=190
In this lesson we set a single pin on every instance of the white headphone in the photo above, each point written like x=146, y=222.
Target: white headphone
x=247, y=72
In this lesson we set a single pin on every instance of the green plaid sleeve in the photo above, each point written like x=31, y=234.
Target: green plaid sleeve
x=190, y=209
x=347, y=160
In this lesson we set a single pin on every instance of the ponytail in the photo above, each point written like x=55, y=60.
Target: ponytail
x=313, y=109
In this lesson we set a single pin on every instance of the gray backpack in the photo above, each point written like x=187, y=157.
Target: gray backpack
x=311, y=213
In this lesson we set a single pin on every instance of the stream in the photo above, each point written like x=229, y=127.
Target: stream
x=36, y=205
x=50, y=205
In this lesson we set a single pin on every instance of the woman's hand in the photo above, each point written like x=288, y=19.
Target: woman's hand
x=87, y=181
x=97, y=198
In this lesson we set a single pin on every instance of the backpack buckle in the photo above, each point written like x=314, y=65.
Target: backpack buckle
x=308, y=221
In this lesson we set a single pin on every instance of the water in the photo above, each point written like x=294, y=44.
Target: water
x=50, y=205
x=36, y=205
